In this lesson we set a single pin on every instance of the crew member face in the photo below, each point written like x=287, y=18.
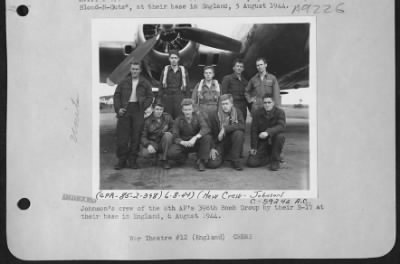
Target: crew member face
x=268, y=104
x=187, y=111
x=226, y=106
x=261, y=66
x=208, y=74
x=238, y=68
x=158, y=110
x=135, y=71
x=174, y=59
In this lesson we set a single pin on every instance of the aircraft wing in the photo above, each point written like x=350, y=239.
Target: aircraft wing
x=295, y=79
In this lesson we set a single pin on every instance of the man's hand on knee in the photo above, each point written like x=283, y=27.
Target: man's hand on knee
x=151, y=149
x=213, y=154
x=253, y=151
x=263, y=135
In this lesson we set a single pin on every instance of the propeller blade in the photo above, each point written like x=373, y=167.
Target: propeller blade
x=209, y=38
x=138, y=54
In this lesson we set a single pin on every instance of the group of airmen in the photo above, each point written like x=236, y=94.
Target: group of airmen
x=210, y=121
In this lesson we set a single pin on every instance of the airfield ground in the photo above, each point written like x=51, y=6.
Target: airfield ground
x=293, y=175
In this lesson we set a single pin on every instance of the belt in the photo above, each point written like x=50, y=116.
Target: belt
x=172, y=92
x=239, y=99
x=208, y=103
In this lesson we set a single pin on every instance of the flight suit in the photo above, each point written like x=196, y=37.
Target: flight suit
x=257, y=88
x=207, y=99
x=230, y=147
x=269, y=149
x=157, y=133
x=183, y=130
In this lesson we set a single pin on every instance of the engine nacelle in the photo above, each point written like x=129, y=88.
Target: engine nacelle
x=169, y=39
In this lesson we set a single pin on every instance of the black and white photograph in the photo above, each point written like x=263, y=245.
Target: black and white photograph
x=203, y=104
x=196, y=130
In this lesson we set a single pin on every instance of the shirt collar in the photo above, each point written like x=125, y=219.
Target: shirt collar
x=265, y=76
x=153, y=118
x=269, y=112
x=227, y=114
x=212, y=84
x=236, y=77
x=131, y=79
x=170, y=68
x=194, y=116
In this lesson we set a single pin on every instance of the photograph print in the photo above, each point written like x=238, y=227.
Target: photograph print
x=206, y=103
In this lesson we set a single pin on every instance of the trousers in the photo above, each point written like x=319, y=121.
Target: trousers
x=129, y=129
x=161, y=147
x=230, y=148
x=242, y=105
x=172, y=104
x=268, y=149
x=208, y=109
x=202, y=148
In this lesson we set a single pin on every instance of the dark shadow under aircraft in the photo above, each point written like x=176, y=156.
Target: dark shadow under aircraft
x=285, y=46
